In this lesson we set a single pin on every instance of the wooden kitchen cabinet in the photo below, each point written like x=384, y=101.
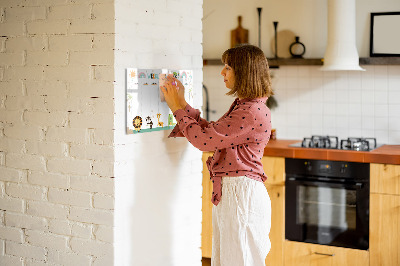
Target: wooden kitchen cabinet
x=384, y=236
x=274, y=168
x=305, y=254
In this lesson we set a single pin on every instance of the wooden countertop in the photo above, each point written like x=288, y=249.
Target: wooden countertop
x=389, y=154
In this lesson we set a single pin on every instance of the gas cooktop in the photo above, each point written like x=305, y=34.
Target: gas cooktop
x=332, y=142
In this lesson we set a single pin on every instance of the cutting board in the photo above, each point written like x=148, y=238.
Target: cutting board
x=239, y=35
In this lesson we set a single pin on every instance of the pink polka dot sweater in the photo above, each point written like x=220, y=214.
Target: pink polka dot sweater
x=238, y=139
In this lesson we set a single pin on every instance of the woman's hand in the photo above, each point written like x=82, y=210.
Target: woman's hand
x=181, y=92
x=171, y=94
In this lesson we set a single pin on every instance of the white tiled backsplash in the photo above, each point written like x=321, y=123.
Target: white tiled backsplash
x=339, y=103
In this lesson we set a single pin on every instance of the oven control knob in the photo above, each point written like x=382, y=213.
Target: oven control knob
x=343, y=168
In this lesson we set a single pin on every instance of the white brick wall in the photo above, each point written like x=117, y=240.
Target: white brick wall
x=56, y=132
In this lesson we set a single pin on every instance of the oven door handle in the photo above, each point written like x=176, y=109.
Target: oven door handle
x=357, y=185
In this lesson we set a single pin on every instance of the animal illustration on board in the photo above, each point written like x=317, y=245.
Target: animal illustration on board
x=161, y=124
x=137, y=123
x=149, y=122
x=171, y=120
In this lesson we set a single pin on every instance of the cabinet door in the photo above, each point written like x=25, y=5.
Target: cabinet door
x=206, y=226
x=277, y=233
x=274, y=168
x=384, y=229
x=304, y=254
x=385, y=178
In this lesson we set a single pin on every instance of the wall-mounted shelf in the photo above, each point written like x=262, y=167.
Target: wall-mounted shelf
x=273, y=63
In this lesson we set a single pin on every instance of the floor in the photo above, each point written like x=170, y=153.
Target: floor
x=206, y=261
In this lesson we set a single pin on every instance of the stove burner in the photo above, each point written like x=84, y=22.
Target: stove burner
x=358, y=144
x=328, y=142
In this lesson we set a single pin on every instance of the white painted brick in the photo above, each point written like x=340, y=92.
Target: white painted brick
x=71, y=43
x=105, y=233
x=103, y=202
x=80, y=73
x=69, y=12
x=11, y=88
x=47, y=27
x=2, y=192
x=25, y=161
x=46, y=118
x=95, y=216
x=104, y=169
x=26, y=191
x=97, y=105
x=11, y=59
x=48, y=179
x=98, y=120
x=12, y=29
x=105, y=260
x=25, y=103
x=91, y=247
x=60, y=227
x=46, y=2
x=103, y=41
x=25, y=250
x=3, y=44
x=69, y=197
x=25, y=221
x=91, y=58
x=103, y=11
x=191, y=48
x=70, y=166
x=82, y=230
x=24, y=13
x=92, y=151
x=11, y=260
x=74, y=135
x=10, y=174
x=11, y=117
x=32, y=262
x=56, y=149
x=56, y=103
x=11, y=233
x=104, y=73
x=68, y=258
x=91, y=26
x=2, y=222
x=24, y=73
x=12, y=204
x=93, y=184
x=46, y=58
x=46, y=88
x=21, y=43
x=46, y=209
x=91, y=89
x=2, y=158
x=47, y=240
x=24, y=132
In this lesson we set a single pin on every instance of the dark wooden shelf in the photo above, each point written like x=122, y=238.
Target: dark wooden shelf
x=273, y=62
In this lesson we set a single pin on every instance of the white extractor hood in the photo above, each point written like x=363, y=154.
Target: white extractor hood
x=341, y=51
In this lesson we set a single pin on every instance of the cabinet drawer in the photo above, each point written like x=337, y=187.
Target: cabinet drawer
x=305, y=254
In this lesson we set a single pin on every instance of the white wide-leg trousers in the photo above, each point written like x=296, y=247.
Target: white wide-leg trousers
x=241, y=223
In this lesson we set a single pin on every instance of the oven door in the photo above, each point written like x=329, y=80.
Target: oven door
x=327, y=213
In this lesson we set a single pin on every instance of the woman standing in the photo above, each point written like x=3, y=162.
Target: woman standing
x=242, y=208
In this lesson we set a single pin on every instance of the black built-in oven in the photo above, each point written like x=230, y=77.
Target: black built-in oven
x=327, y=202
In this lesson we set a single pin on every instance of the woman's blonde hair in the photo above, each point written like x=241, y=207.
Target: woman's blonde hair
x=250, y=66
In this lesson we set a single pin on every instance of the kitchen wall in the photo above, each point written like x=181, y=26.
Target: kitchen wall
x=158, y=180
x=56, y=132
x=342, y=103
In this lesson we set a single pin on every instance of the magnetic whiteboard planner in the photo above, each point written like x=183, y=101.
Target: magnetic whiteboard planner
x=146, y=112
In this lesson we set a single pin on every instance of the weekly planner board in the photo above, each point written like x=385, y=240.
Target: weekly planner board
x=146, y=108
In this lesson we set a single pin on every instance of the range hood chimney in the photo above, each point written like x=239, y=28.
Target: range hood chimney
x=341, y=51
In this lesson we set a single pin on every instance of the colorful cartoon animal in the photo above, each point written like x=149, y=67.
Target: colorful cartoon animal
x=137, y=123
x=149, y=122
x=161, y=124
